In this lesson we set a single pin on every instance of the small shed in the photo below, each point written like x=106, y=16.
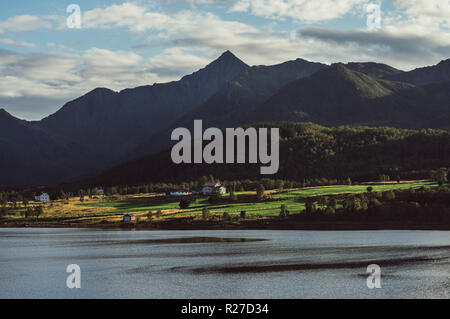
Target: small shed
x=129, y=218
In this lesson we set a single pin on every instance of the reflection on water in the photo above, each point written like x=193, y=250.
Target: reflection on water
x=223, y=264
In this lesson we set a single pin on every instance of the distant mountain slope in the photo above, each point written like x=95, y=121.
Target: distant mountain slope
x=251, y=87
x=308, y=151
x=431, y=74
x=29, y=155
x=377, y=70
x=338, y=95
x=114, y=123
x=237, y=99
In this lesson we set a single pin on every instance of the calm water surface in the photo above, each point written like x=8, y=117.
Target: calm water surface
x=287, y=264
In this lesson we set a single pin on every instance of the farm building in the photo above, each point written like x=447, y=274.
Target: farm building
x=129, y=218
x=44, y=197
x=180, y=192
x=213, y=188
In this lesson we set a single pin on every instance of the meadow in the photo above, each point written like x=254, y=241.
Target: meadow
x=110, y=209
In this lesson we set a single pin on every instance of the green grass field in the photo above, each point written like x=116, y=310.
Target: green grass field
x=294, y=200
x=94, y=211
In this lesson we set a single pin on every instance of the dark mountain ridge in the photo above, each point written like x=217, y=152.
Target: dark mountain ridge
x=103, y=119
x=29, y=154
x=338, y=96
x=237, y=99
x=104, y=128
x=426, y=75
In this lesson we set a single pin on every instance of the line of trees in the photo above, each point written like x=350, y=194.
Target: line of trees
x=410, y=205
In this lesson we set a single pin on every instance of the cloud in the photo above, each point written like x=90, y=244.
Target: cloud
x=60, y=76
x=23, y=23
x=204, y=32
x=129, y=15
x=302, y=10
x=17, y=43
x=402, y=49
x=436, y=9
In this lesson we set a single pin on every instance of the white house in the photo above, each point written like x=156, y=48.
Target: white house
x=44, y=197
x=213, y=188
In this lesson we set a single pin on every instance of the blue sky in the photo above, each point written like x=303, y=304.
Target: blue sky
x=121, y=44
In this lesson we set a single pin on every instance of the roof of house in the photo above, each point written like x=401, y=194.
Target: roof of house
x=212, y=184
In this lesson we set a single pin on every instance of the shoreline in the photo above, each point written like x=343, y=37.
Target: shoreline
x=280, y=225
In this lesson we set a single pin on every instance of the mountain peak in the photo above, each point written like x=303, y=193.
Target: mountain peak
x=228, y=54
x=228, y=58
x=100, y=91
x=4, y=113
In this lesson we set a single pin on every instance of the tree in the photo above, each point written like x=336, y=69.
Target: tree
x=440, y=176
x=348, y=181
x=260, y=192
x=205, y=213
x=369, y=189
x=283, y=210
x=2, y=212
x=390, y=195
x=243, y=214
x=279, y=184
x=28, y=212
x=226, y=216
x=332, y=203
x=233, y=197
x=38, y=211
x=184, y=203
x=322, y=201
x=310, y=207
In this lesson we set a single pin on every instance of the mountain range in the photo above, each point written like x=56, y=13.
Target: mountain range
x=105, y=128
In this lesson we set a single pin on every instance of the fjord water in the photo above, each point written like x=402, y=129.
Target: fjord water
x=199, y=264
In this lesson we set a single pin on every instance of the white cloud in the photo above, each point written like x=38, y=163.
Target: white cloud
x=48, y=75
x=23, y=23
x=302, y=10
x=17, y=43
x=435, y=9
x=404, y=50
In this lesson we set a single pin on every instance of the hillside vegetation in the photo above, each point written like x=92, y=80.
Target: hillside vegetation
x=309, y=151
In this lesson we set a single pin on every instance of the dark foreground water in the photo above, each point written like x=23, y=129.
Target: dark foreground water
x=201, y=264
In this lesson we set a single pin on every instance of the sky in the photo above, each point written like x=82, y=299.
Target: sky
x=49, y=56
